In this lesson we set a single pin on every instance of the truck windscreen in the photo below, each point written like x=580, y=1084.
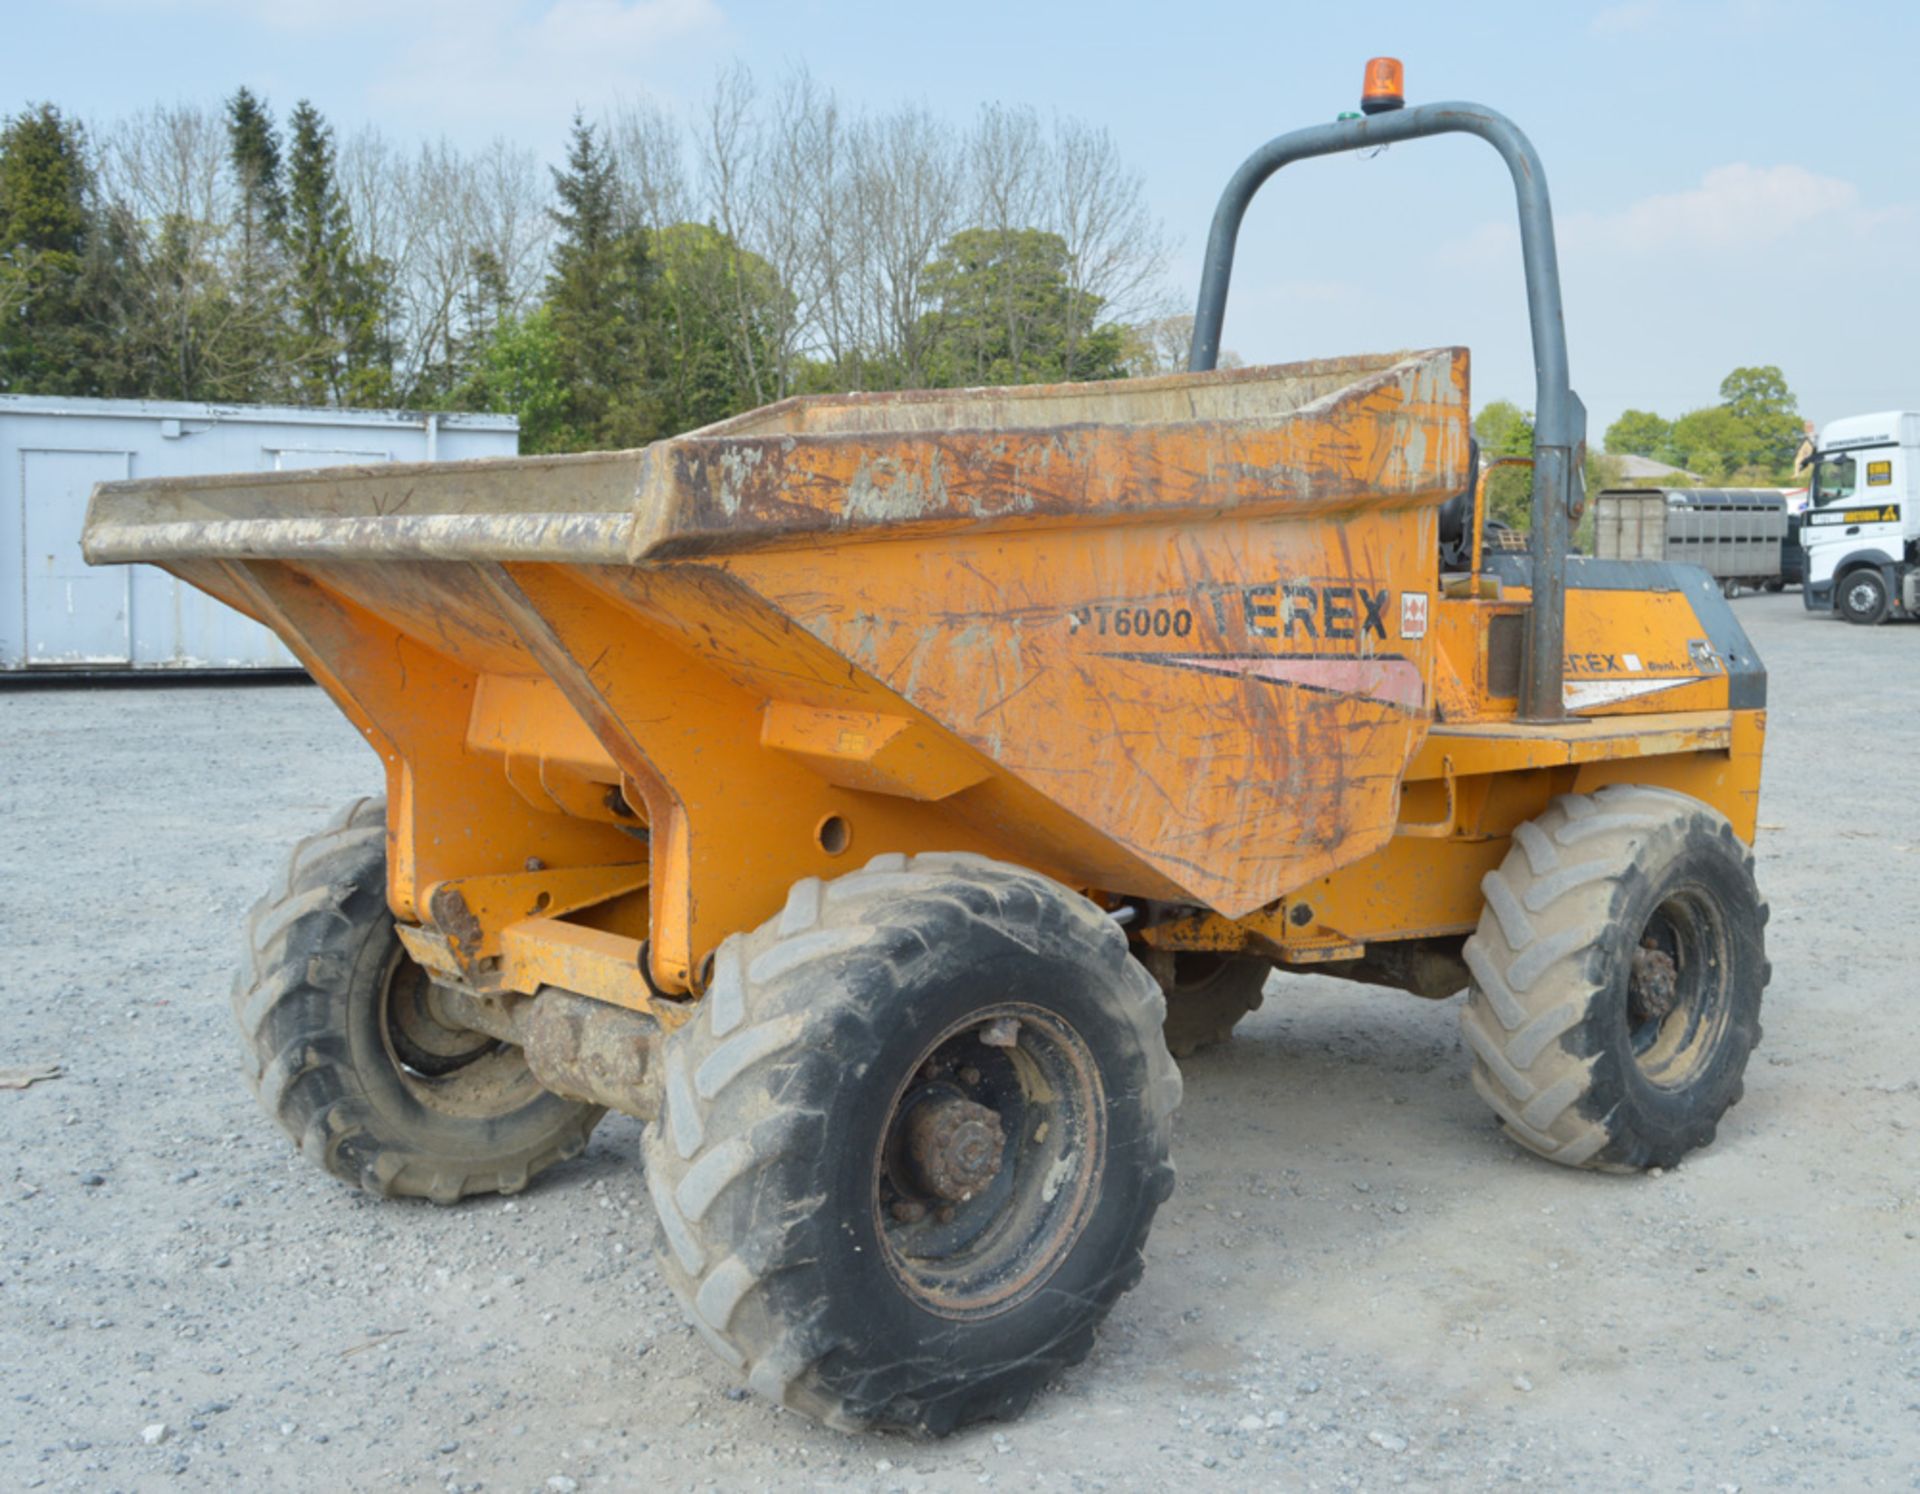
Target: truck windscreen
x=1833, y=479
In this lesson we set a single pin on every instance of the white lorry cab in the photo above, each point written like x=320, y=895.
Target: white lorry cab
x=1861, y=531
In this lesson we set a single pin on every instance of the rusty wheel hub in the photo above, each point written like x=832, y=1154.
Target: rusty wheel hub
x=418, y=1036
x=1653, y=984
x=1678, y=996
x=991, y=1155
x=955, y=1146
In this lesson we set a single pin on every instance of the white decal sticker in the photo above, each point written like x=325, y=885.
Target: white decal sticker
x=1633, y=661
x=1582, y=694
x=1413, y=614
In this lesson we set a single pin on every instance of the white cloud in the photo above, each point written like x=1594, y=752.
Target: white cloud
x=492, y=59
x=450, y=63
x=1626, y=18
x=627, y=27
x=1736, y=207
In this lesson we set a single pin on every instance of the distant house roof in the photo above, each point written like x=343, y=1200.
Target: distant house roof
x=1642, y=467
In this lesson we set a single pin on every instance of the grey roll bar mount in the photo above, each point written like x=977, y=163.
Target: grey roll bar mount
x=1560, y=420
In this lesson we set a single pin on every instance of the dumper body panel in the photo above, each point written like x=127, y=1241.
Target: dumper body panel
x=1184, y=640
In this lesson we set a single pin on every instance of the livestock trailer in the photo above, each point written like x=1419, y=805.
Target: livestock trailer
x=1736, y=535
x=56, y=614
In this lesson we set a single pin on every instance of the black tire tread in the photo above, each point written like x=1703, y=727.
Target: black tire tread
x=718, y=1131
x=1206, y=1014
x=288, y=999
x=1880, y=613
x=1546, y=906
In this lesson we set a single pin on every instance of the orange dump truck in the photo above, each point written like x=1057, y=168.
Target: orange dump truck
x=869, y=790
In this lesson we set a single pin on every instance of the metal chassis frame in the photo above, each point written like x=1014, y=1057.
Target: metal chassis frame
x=1560, y=420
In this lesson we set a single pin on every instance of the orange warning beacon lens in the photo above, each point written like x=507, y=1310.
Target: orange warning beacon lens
x=1384, y=87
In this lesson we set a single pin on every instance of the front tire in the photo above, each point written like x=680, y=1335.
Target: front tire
x=1617, y=976
x=1861, y=597
x=344, y=1053
x=912, y=1141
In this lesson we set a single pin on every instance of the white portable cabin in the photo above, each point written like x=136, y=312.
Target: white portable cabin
x=59, y=614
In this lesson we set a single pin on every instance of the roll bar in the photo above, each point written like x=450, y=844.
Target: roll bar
x=1560, y=420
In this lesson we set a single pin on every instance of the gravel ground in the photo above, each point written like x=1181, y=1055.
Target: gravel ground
x=1359, y=1283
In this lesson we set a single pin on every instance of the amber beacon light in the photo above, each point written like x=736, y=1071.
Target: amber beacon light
x=1384, y=88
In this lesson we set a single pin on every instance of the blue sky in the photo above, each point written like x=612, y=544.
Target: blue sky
x=1734, y=180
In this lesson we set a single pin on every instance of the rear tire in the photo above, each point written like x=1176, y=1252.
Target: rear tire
x=345, y=1056
x=1861, y=597
x=1208, y=995
x=791, y=1183
x=1617, y=976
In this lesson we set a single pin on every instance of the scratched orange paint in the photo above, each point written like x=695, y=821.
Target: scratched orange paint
x=1180, y=638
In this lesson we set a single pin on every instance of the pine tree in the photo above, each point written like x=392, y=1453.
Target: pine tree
x=485, y=307
x=254, y=150
x=259, y=274
x=317, y=250
x=340, y=355
x=55, y=291
x=598, y=295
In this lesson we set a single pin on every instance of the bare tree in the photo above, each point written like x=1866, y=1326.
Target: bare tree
x=459, y=239
x=508, y=219
x=1159, y=346
x=907, y=198
x=201, y=323
x=168, y=162
x=1162, y=345
x=815, y=242
x=846, y=212
x=724, y=309
x=1007, y=159
x=649, y=154
x=390, y=217
x=729, y=150
x=803, y=225
x=1116, y=248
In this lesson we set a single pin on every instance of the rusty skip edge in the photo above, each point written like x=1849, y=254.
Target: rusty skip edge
x=990, y=407
x=115, y=536
x=708, y=493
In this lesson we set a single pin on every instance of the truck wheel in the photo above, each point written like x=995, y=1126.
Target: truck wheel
x=344, y=1053
x=1617, y=974
x=1729, y=588
x=1207, y=996
x=911, y=1142
x=1861, y=597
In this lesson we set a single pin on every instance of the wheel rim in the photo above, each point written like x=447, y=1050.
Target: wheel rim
x=1862, y=597
x=455, y=1071
x=1677, y=988
x=987, y=1168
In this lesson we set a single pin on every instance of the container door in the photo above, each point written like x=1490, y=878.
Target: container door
x=75, y=613
x=302, y=458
